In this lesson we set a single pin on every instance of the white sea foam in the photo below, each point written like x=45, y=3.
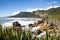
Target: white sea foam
x=9, y=24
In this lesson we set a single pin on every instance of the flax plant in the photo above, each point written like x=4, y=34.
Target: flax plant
x=11, y=34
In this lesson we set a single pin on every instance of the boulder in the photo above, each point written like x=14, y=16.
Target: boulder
x=17, y=26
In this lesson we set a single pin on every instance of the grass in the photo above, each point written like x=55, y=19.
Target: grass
x=11, y=34
x=57, y=16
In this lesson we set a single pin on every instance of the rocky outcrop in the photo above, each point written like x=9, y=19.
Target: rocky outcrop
x=17, y=26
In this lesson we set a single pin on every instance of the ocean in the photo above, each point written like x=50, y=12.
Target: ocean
x=22, y=21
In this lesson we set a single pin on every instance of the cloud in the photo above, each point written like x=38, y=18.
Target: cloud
x=30, y=10
x=54, y=2
x=52, y=7
x=14, y=13
x=34, y=9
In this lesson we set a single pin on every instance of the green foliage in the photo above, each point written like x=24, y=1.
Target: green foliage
x=57, y=16
x=11, y=34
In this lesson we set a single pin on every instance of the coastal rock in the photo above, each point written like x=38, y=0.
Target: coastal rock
x=17, y=26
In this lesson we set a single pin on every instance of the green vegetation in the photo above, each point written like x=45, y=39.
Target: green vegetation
x=57, y=16
x=53, y=13
x=11, y=34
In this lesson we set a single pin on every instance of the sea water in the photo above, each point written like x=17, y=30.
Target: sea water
x=23, y=21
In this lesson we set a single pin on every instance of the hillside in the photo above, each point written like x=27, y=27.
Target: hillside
x=53, y=13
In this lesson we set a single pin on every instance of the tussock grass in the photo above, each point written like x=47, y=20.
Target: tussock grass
x=11, y=34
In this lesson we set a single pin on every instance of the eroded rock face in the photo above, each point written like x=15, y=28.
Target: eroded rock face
x=53, y=29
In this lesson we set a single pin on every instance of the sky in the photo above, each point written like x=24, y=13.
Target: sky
x=12, y=7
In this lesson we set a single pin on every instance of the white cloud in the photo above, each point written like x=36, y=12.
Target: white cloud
x=54, y=2
x=30, y=10
x=34, y=9
x=14, y=13
x=52, y=7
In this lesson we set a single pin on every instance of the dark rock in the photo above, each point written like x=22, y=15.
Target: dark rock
x=31, y=25
x=37, y=32
x=17, y=26
x=39, y=22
